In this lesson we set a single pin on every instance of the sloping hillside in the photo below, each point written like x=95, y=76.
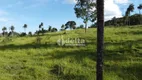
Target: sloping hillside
x=26, y=58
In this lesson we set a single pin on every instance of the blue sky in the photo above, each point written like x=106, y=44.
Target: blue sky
x=51, y=12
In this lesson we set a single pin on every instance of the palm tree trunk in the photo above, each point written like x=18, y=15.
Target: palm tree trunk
x=100, y=39
x=25, y=30
x=3, y=33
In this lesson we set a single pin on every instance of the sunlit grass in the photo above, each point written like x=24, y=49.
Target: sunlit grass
x=22, y=59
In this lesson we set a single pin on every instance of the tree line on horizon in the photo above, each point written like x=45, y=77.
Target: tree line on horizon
x=25, y=26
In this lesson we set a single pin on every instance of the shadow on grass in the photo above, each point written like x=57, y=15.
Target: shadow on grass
x=131, y=32
x=27, y=46
x=131, y=72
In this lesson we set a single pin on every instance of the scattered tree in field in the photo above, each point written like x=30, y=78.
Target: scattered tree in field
x=139, y=7
x=12, y=29
x=100, y=39
x=114, y=20
x=22, y=34
x=40, y=26
x=49, y=29
x=30, y=33
x=25, y=26
x=43, y=31
x=85, y=9
x=93, y=25
x=62, y=27
x=70, y=24
x=81, y=26
x=54, y=30
x=4, y=30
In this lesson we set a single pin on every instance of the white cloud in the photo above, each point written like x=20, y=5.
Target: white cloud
x=111, y=10
x=121, y=1
x=69, y=1
x=3, y=20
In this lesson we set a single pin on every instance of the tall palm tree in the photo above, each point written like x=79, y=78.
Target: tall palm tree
x=131, y=8
x=139, y=7
x=4, y=29
x=25, y=26
x=63, y=26
x=100, y=39
x=12, y=29
x=40, y=26
x=128, y=12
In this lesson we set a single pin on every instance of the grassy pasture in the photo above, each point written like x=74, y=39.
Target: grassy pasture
x=22, y=59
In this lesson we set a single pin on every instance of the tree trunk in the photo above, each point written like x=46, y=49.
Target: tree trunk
x=85, y=27
x=140, y=16
x=100, y=39
x=12, y=33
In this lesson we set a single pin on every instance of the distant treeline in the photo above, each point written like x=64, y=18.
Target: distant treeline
x=135, y=19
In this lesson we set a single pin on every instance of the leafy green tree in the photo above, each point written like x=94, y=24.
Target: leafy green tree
x=139, y=7
x=100, y=39
x=25, y=26
x=54, y=30
x=85, y=9
x=70, y=24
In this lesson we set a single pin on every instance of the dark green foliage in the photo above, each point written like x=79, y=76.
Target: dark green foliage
x=93, y=25
x=25, y=26
x=22, y=34
x=4, y=31
x=62, y=27
x=54, y=30
x=30, y=33
x=81, y=26
x=70, y=24
x=49, y=29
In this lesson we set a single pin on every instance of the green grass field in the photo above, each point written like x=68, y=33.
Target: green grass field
x=22, y=59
